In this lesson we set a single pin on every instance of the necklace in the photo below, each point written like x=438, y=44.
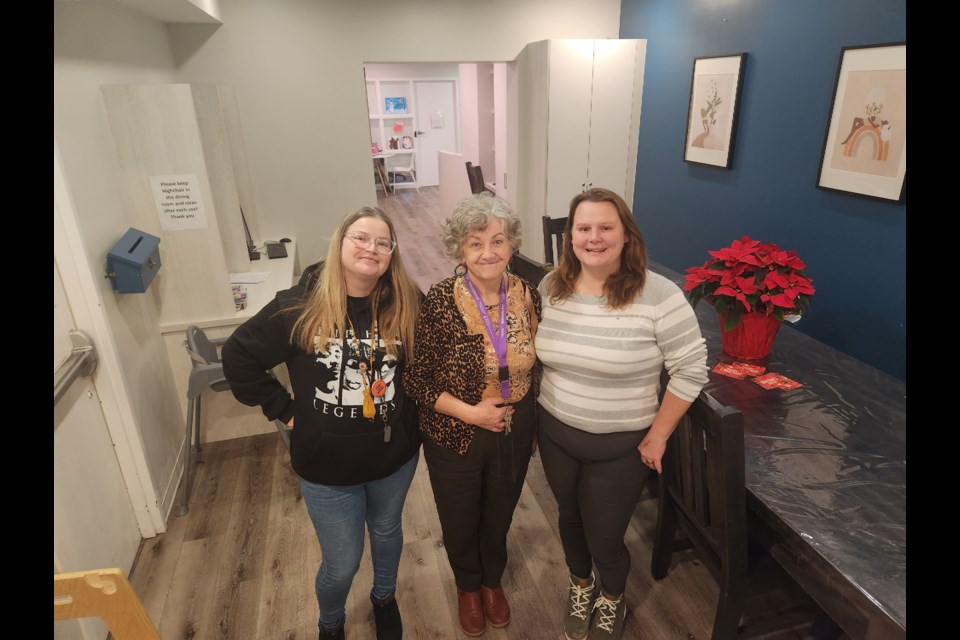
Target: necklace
x=371, y=388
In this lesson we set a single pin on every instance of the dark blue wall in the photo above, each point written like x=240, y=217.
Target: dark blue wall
x=854, y=247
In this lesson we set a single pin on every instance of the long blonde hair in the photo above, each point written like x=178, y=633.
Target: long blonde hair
x=622, y=287
x=323, y=314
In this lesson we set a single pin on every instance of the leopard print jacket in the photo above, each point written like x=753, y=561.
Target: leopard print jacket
x=450, y=359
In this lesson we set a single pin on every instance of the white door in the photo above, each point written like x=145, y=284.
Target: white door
x=437, y=126
x=94, y=524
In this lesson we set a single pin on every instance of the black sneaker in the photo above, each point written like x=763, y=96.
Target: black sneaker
x=335, y=633
x=608, y=616
x=386, y=614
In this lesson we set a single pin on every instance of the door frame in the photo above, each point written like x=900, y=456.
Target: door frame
x=82, y=289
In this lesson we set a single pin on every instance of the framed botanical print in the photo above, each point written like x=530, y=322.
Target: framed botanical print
x=714, y=104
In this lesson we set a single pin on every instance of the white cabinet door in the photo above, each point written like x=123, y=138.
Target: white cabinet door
x=614, y=64
x=568, y=138
x=579, y=118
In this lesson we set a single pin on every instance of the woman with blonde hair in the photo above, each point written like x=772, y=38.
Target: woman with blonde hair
x=346, y=333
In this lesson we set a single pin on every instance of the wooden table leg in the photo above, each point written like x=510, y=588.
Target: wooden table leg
x=378, y=166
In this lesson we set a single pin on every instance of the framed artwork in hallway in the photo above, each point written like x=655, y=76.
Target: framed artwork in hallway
x=714, y=104
x=865, y=148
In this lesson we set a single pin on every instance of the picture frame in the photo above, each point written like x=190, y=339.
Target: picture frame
x=395, y=105
x=715, y=90
x=407, y=142
x=865, y=146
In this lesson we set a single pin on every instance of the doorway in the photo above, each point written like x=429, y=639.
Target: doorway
x=451, y=106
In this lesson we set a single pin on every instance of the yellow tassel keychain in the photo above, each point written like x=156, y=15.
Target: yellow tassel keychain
x=366, y=372
x=369, y=410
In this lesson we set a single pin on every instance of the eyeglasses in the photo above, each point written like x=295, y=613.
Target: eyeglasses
x=364, y=240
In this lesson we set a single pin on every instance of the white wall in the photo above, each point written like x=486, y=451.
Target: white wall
x=96, y=44
x=409, y=70
x=296, y=68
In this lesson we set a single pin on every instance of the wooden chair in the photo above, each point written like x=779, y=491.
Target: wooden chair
x=552, y=236
x=475, y=175
x=472, y=177
x=528, y=268
x=702, y=489
x=105, y=593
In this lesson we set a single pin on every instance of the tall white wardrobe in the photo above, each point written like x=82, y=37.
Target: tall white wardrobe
x=578, y=125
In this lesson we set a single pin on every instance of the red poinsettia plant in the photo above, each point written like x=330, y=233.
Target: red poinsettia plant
x=750, y=276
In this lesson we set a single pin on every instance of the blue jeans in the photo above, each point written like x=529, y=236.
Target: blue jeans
x=338, y=514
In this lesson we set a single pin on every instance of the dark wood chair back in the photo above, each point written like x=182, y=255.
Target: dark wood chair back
x=475, y=176
x=552, y=237
x=529, y=269
x=703, y=493
x=472, y=177
x=702, y=490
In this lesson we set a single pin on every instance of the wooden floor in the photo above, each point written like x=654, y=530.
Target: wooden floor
x=419, y=224
x=241, y=564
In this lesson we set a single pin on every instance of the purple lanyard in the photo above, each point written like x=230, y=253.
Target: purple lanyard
x=498, y=338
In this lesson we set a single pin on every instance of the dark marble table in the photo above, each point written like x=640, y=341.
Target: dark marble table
x=826, y=474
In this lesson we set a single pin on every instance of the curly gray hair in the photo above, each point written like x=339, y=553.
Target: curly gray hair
x=473, y=213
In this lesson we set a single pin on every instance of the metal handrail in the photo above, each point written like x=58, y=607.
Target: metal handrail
x=82, y=361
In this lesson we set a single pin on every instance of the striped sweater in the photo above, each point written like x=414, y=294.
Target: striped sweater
x=601, y=367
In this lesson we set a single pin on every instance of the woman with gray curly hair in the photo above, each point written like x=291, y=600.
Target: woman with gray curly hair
x=475, y=381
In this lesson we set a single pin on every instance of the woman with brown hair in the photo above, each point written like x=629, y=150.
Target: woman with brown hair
x=609, y=327
x=346, y=333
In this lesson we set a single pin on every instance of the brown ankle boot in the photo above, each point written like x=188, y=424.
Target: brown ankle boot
x=495, y=606
x=471, y=612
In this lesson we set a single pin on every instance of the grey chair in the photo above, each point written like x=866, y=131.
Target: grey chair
x=206, y=373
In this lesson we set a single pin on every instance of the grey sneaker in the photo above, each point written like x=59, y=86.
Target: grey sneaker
x=579, y=609
x=608, y=618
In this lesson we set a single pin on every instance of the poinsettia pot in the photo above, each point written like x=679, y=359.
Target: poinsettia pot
x=752, y=338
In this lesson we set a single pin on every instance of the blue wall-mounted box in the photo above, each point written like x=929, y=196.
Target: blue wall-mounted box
x=133, y=262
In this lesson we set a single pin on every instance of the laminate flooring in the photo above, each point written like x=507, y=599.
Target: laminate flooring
x=419, y=225
x=241, y=565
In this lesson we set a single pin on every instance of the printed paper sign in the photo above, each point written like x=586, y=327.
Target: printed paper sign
x=178, y=202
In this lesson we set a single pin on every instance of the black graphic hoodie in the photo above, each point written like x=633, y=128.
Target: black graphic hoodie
x=331, y=442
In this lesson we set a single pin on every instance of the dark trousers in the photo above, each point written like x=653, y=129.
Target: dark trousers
x=597, y=480
x=476, y=495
